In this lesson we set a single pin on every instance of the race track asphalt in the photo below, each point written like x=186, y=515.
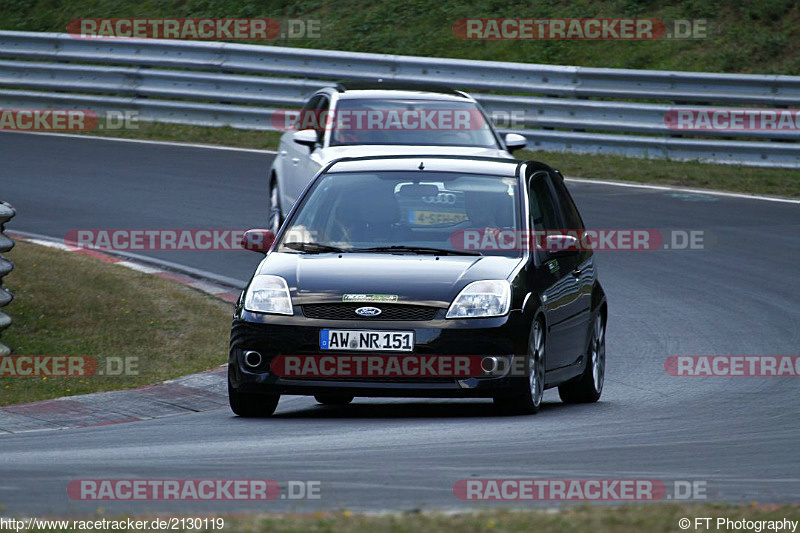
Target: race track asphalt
x=739, y=435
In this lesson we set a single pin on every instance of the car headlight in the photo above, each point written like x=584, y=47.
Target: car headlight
x=268, y=294
x=482, y=299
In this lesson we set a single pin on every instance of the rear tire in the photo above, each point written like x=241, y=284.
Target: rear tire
x=332, y=399
x=588, y=387
x=526, y=396
x=275, y=214
x=252, y=405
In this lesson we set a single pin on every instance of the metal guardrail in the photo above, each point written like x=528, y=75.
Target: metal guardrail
x=563, y=113
x=240, y=85
x=6, y=244
x=761, y=154
x=155, y=83
x=488, y=75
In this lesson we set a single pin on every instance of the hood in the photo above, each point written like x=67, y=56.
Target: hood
x=335, y=152
x=415, y=279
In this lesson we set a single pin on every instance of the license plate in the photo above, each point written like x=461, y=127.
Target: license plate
x=361, y=340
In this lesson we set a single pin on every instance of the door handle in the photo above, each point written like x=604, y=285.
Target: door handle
x=295, y=160
x=577, y=272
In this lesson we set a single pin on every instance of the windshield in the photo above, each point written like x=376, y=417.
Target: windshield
x=402, y=212
x=417, y=122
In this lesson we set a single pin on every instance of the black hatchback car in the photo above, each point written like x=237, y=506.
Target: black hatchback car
x=421, y=276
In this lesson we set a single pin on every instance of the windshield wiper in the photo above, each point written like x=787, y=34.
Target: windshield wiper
x=313, y=247
x=416, y=250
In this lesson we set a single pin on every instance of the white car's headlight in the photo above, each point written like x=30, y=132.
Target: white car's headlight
x=482, y=299
x=268, y=294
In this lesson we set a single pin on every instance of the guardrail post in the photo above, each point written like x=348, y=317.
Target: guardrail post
x=6, y=213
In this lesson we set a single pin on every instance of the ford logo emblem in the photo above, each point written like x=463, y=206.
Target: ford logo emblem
x=368, y=311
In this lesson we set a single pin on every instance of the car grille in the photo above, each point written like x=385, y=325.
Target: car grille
x=389, y=312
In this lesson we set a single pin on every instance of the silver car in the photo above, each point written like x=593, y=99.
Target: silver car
x=311, y=145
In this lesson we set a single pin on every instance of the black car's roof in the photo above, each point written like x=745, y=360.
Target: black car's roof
x=440, y=163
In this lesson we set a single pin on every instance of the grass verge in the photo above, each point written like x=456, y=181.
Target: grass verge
x=754, y=36
x=654, y=518
x=159, y=131
x=68, y=304
x=752, y=180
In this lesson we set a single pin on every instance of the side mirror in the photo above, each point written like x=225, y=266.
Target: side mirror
x=561, y=245
x=515, y=141
x=306, y=138
x=258, y=240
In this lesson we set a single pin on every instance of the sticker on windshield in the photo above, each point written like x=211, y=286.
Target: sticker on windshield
x=369, y=298
x=434, y=218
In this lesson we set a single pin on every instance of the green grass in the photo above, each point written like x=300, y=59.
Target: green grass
x=654, y=518
x=68, y=304
x=159, y=131
x=759, y=36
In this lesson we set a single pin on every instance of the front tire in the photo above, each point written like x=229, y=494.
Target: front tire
x=526, y=396
x=589, y=386
x=275, y=214
x=252, y=405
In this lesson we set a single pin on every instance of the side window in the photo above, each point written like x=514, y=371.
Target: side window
x=312, y=103
x=572, y=217
x=308, y=116
x=323, y=106
x=544, y=215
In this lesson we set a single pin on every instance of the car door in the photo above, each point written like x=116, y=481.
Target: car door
x=312, y=159
x=580, y=264
x=296, y=156
x=560, y=288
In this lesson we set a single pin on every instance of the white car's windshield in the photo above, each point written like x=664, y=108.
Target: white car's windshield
x=411, y=122
x=414, y=212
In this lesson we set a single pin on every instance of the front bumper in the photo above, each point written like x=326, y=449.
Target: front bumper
x=298, y=335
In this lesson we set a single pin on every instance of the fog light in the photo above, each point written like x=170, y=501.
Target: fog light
x=252, y=359
x=490, y=364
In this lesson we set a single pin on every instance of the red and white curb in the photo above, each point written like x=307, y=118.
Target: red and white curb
x=186, y=394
